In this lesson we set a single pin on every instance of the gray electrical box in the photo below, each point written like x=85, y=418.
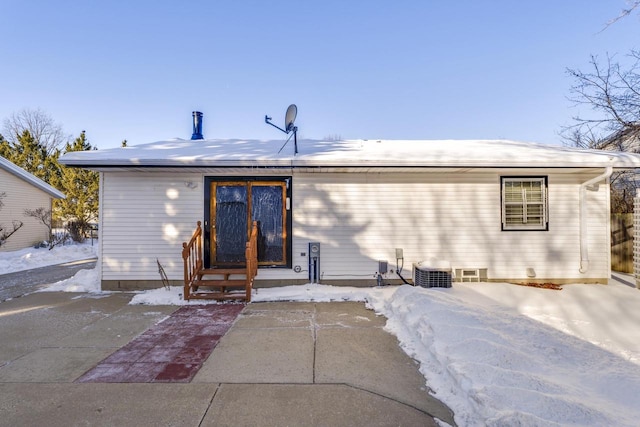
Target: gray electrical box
x=314, y=262
x=399, y=254
x=314, y=249
x=382, y=267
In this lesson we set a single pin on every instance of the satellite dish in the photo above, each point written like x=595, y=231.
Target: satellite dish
x=289, y=127
x=290, y=117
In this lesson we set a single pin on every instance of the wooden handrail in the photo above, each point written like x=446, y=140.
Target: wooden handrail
x=193, y=262
x=192, y=258
x=251, y=256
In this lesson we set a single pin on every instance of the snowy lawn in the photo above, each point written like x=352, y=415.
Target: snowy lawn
x=29, y=258
x=496, y=354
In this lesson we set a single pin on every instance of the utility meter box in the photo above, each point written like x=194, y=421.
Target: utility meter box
x=314, y=262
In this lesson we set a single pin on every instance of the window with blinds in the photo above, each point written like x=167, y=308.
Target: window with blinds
x=524, y=203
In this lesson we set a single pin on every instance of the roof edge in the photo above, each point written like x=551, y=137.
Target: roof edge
x=18, y=172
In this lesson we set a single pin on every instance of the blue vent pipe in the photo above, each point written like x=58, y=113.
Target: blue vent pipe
x=197, y=125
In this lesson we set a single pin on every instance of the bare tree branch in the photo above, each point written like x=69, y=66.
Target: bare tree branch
x=5, y=234
x=16, y=225
x=44, y=216
x=40, y=125
x=611, y=94
x=632, y=5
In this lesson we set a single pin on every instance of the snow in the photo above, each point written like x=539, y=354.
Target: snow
x=350, y=153
x=494, y=366
x=496, y=354
x=29, y=258
x=83, y=281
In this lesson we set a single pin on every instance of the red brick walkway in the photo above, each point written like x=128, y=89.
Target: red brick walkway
x=171, y=351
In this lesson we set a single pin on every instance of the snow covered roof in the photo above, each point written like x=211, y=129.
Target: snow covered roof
x=350, y=153
x=31, y=179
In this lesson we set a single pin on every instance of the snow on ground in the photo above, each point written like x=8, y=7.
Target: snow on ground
x=29, y=258
x=497, y=354
x=26, y=259
x=82, y=281
x=494, y=366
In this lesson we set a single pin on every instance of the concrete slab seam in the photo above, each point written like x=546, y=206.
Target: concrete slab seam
x=364, y=390
x=206, y=411
x=314, y=325
x=391, y=399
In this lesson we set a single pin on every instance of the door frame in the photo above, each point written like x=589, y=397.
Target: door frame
x=287, y=204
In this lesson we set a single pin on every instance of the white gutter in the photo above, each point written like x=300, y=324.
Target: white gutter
x=584, y=251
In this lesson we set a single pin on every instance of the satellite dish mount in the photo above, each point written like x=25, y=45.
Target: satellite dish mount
x=289, y=127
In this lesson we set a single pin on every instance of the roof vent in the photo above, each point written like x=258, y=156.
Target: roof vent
x=197, y=125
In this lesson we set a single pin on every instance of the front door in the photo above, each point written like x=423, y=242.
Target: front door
x=234, y=206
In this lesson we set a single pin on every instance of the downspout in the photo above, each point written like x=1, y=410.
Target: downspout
x=100, y=226
x=584, y=251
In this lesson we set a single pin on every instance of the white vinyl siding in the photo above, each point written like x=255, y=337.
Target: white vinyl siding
x=20, y=195
x=524, y=203
x=145, y=216
x=359, y=219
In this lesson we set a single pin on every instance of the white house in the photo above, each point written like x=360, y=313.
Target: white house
x=21, y=191
x=498, y=210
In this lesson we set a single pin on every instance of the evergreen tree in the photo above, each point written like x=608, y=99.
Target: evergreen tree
x=27, y=153
x=81, y=188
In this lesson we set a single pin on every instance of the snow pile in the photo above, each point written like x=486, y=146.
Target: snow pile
x=30, y=258
x=164, y=296
x=493, y=366
x=82, y=281
x=607, y=316
x=308, y=292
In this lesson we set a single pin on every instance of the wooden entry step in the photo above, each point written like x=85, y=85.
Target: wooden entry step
x=225, y=281
x=223, y=288
x=223, y=271
x=220, y=283
x=219, y=295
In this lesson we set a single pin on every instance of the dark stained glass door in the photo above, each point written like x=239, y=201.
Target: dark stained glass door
x=234, y=206
x=230, y=224
x=267, y=207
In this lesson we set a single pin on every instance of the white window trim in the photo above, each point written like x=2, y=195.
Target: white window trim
x=544, y=225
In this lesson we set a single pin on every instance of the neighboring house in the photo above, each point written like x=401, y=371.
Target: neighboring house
x=626, y=139
x=23, y=191
x=501, y=210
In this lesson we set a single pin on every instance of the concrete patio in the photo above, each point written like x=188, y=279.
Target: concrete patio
x=279, y=364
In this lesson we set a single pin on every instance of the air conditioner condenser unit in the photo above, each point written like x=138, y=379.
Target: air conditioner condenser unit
x=432, y=274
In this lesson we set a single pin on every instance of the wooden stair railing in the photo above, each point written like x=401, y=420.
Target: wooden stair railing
x=197, y=287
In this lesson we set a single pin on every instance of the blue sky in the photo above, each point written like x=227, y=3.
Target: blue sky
x=399, y=69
